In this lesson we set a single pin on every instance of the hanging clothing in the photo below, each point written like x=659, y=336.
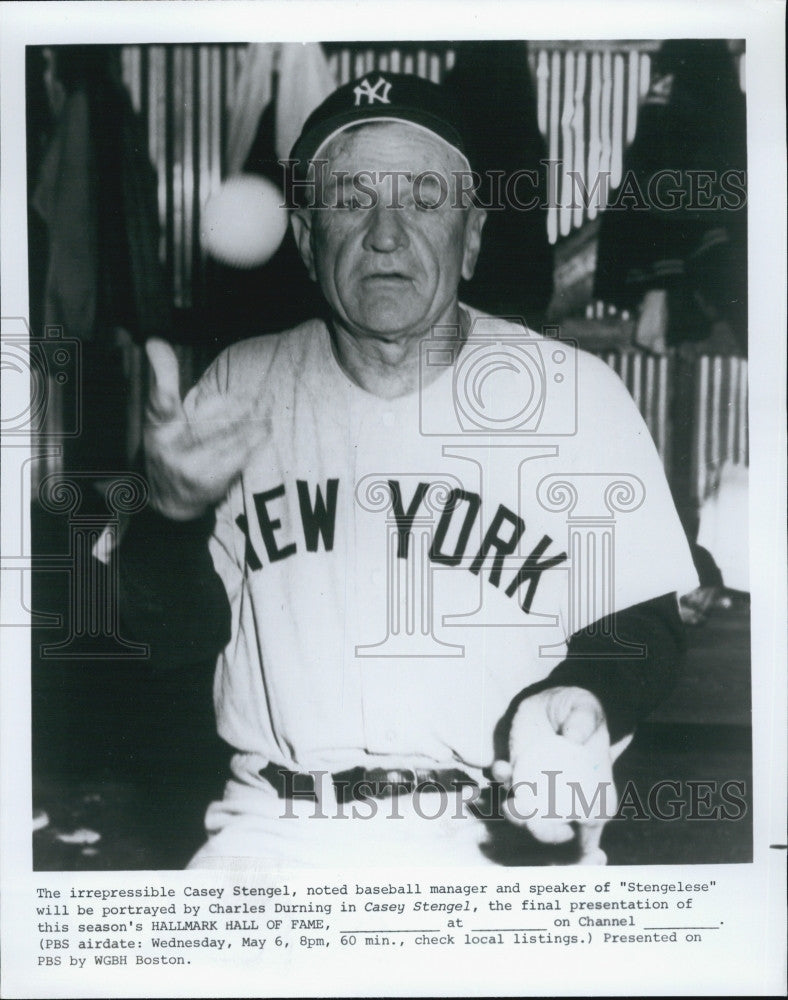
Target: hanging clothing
x=104, y=284
x=491, y=82
x=305, y=80
x=296, y=75
x=64, y=200
x=96, y=192
x=253, y=92
x=692, y=120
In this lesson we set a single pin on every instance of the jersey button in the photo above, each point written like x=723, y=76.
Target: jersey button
x=388, y=419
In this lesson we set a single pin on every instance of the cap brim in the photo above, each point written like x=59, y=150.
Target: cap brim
x=309, y=146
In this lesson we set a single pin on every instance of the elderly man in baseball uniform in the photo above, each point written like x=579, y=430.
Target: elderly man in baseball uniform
x=434, y=551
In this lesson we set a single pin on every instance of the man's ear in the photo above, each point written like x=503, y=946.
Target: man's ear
x=472, y=240
x=301, y=221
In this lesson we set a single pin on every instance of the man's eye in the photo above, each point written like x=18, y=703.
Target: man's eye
x=427, y=198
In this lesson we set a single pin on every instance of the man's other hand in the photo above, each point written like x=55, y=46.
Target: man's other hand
x=191, y=460
x=560, y=769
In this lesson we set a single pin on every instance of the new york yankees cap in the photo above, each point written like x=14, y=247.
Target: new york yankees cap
x=380, y=97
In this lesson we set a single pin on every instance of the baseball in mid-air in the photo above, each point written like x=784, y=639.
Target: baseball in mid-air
x=244, y=222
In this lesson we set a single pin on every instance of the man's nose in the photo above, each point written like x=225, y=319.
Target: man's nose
x=386, y=230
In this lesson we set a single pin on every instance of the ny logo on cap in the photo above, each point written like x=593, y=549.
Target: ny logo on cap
x=380, y=92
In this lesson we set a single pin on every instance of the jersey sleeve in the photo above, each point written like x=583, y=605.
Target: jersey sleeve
x=624, y=536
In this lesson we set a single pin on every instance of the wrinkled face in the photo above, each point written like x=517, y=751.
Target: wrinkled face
x=389, y=253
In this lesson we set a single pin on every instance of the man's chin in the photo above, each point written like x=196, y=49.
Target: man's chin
x=390, y=325
x=395, y=317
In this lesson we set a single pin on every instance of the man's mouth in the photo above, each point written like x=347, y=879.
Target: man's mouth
x=392, y=276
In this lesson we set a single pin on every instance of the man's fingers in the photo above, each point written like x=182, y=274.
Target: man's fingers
x=164, y=396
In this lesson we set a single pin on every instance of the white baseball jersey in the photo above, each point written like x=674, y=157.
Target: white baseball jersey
x=398, y=570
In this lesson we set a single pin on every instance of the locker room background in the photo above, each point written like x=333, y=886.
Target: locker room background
x=111, y=740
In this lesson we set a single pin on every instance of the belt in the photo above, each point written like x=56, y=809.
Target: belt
x=360, y=783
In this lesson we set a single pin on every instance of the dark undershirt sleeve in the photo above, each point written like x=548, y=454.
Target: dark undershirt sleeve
x=170, y=595
x=629, y=686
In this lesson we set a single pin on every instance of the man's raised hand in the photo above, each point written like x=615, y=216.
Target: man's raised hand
x=192, y=459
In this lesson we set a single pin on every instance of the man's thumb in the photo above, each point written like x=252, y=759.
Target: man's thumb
x=164, y=395
x=581, y=724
